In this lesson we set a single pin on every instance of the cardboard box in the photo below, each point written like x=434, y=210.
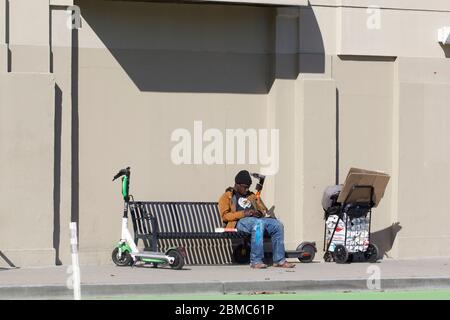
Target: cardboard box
x=361, y=177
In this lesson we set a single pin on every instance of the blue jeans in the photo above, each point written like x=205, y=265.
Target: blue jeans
x=257, y=226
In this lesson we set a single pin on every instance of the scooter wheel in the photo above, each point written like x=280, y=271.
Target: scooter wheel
x=178, y=263
x=371, y=253
x=122, y=260
x=340, y=254
x=307, y=252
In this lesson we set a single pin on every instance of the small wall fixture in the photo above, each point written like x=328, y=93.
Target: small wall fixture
x=444, y=35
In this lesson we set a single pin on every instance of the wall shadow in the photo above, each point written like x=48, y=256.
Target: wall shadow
x=158, y=68
x=385, y=238
x=337, y=136
x=312, y=49
x=446, y=49
x=9, y=262
x=57, y=174
x=75, y=174
x=367, y=58
x=7, y=32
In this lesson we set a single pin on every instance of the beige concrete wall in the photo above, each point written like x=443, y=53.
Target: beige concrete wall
x=365, y=124
x=3, y=45
x=219, y=57
x=374, y=100
x=26, y=167
x=27, y=146
x=318, y=131
x=285, y=189
x=146, y=69
x=62, y=70
x=401, y=33
x=389, y=4
x=29, y=35
x=406, y=28
x=423, y=156
x=282, y=93
x=301, y=71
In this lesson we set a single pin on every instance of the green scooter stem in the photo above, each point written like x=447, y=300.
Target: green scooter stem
x=125, y=187
x=125, y=173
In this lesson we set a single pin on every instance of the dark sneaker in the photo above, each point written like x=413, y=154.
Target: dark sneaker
x=285, y=264
x=258, y=266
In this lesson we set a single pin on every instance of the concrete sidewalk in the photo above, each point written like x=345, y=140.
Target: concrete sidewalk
x=109, y=280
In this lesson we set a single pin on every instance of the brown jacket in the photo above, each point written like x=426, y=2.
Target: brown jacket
x=227, y=208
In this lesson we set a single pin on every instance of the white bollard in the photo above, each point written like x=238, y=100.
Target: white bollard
x=75, y=265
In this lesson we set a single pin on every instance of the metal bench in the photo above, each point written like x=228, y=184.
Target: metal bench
x=161, y=225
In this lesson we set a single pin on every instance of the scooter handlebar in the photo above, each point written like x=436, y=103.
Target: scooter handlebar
x=261, y=179
x=123, y=172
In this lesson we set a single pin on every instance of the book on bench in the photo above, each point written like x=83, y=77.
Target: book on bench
x=226, y=230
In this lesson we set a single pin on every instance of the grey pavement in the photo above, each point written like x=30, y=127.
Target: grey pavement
x=109, y=280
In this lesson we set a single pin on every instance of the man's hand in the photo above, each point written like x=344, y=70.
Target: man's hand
x=258, y=214
x=253, y=213
x=248, y=212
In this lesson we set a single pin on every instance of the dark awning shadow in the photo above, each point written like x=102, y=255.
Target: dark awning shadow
x=145, y=43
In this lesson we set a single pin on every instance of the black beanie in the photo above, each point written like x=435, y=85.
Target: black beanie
x=243, y=177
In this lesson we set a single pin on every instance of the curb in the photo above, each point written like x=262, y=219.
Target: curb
x=110, y=290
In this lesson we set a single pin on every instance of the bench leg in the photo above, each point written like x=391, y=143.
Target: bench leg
x=154, y=242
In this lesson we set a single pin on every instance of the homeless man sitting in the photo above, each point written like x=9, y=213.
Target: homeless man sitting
x=240, y=209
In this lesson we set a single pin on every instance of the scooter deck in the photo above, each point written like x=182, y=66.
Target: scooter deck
x=292, y=253
x=158, y=255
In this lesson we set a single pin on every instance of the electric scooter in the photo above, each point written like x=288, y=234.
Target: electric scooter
x=305, y=251
x=126, y=253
